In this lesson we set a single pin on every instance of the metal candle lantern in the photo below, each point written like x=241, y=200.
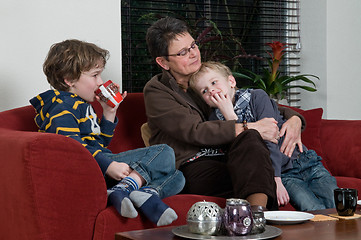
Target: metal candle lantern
x=204, y=218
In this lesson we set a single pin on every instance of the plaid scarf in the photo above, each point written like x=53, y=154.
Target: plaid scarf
x=241, y=107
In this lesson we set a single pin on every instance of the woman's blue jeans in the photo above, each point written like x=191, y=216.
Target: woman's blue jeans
x=309, y=184
x=156, y=164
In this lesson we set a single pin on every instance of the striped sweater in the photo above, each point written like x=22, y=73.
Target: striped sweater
x=67, y=114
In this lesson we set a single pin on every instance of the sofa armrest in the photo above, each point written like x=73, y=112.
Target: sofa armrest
x=51, y=187
x=341, y=146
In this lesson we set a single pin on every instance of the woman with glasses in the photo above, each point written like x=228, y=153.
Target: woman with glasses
x=217, y=158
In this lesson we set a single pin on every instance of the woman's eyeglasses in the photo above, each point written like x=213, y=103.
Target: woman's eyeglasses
x=185, y=51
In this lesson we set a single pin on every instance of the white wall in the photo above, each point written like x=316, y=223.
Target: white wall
x=29, y=28
x=330, y=31
x=313, y=52
x=344, y=59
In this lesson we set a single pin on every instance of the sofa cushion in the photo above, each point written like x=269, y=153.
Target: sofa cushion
x=311, y=135
x=21, y=119
x=131, y=116
x=146, y=134
x=341, y=146
x=349, y=182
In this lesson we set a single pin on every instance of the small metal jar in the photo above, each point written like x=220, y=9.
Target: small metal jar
x=259, y=220
x=237, y=217
x=204, y=218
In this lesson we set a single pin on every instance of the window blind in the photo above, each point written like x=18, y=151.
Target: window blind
x=241, y=29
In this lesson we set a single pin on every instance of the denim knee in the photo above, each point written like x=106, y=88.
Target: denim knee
x=165, y=157
x=168, y=153
x=172, y=185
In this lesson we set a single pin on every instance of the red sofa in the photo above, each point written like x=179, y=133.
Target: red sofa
x=52, y=188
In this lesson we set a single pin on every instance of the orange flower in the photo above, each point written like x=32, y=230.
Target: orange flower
x=277, y=49
x=271, y=81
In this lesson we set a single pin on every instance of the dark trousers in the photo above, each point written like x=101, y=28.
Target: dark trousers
x=244, y=170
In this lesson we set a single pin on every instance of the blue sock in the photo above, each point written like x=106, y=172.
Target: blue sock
x=118, y=196
x=148, y=201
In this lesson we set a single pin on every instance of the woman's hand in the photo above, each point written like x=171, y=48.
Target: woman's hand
x=282, y=194
x=268, y=129
x=292, y=131
x=118, y=170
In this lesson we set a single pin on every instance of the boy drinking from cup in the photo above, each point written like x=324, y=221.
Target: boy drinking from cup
x=301, y=178
x=73, y=68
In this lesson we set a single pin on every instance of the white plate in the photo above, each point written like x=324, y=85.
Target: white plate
x=359, y=202
x=287, y=217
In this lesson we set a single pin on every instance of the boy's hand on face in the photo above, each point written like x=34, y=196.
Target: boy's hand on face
x=225, y=105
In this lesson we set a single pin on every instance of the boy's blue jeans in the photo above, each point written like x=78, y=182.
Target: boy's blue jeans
x=309, y=184
x=156, y=164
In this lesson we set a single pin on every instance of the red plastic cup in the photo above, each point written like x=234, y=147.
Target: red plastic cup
x=109, y=93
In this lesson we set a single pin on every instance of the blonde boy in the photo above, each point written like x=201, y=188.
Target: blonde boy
x=301, y=178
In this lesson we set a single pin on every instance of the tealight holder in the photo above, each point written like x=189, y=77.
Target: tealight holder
x=204, y=218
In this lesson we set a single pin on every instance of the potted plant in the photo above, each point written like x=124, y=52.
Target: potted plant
x=271, y=81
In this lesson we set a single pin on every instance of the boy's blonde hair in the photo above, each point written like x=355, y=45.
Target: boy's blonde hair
x=68, y=59
x=215, y=66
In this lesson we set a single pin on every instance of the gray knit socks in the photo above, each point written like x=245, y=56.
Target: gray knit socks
x=118, y=196
x=148, y=201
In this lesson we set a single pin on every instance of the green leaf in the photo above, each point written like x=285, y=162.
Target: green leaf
x=300, y=77
x=241, y=75
x=280, y=85
x=310, y=89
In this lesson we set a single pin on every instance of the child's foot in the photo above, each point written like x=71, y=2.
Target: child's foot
x=118, y=196
x=120, y=200
x=153, y=207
